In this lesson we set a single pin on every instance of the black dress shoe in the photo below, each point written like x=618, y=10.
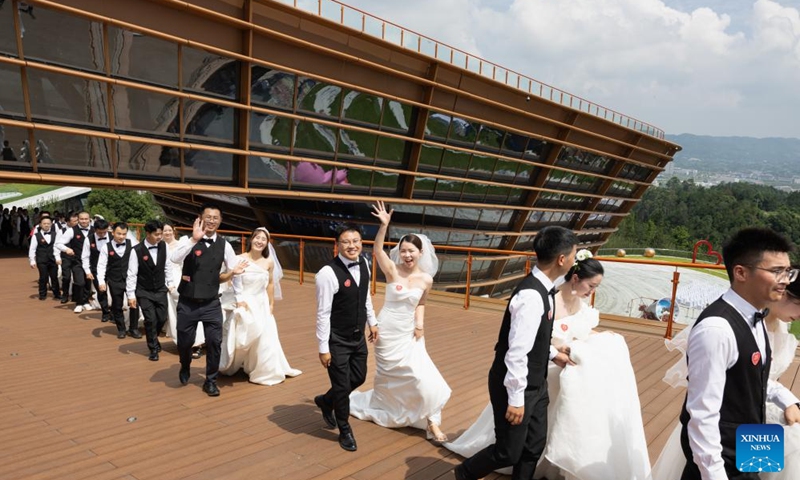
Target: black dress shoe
x=158, y=348
x=153, y=357
x=105, y=318
x=134, y=333
x=211, y=389
x=42, y=297
x=183, y=375
x=327, y=412
x=121, y=334
x=56, y=297
x=65, y=299
x=459, y=472
x=347, y=441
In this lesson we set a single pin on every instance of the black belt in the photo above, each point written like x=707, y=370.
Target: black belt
x=196, y=300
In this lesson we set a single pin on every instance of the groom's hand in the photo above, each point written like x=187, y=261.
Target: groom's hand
x=514, y=414
x=562, y=360
x=325, y=359
x=373, y=334
x=792, y=414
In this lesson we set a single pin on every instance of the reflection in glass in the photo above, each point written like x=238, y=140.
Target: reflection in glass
x=319, y=97
x=474, y=192
x=437, y=126
x=466, y=218
x=481, y=166
x=142, y=160
x=362, y=108
x=357, y=144
x=209, y=122
x=430, y=157
x=142, y=111
x=209, y=73
x=18, y=152
x=270, y=132
x=392, y=150
x=574, y=158
x=141, y=57
x=463, y=132
x=272, y=88
x=489, y=139
x=635, y=172
x=11, y=101
x=208, y=167
x=423, y=187
x=74, y=153
x=455, y=162
x=308, y=173
x=263, y=169
x=622, y=189
x=8, y=37
x=397, y=116
x=62, y=39
x=505, y=170
x=514, y=144
x=62, y=98
x=315, y=137
x=384, y=183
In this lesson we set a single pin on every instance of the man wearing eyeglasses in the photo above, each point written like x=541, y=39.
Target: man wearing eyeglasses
x=344, y=308
x=729, y=356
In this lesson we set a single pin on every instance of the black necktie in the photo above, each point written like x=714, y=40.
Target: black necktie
x=759, y=316
x=353, y=264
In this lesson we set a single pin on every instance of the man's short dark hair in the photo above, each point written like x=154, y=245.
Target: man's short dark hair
x=747, y=246
x=553, y=241
x=212, y=206
x=120, y=225
x=100, y=224
x=153, y=225
x=347, y=227
x=72, y=215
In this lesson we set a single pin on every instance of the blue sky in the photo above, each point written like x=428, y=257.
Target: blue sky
x=708, y=67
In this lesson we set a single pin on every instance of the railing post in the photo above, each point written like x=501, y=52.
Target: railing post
x=374, y=280
x=676, y=275
x=302, y=259
x=469, y=278
x=527, y=264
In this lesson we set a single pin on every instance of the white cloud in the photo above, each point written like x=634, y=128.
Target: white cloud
x=698, y=66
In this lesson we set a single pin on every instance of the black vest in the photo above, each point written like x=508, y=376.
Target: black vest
x=76, y=244
x=745, y=395
x=117, y=267
x=151, y=275
x=44, y=250
x=94, y=252
x=202, y=267
x=539, y=355
x=349, y=306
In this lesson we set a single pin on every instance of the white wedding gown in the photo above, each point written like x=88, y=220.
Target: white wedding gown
x=408, y=388
x=595, y=429
x=671, y=461
x=250, y=335
x=176, y=271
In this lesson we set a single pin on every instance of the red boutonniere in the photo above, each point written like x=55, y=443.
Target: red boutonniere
x=77, y=237
x=198, y=252
x=93, y=245
x=399, y=287
x=145, y=258
x=44, y=242
x=564, y=327
x=347, y=283
x=111, y=253
x=756, y=358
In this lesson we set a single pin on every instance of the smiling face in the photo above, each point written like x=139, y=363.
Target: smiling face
x=350, y=245
x=409, y=255
x=212, y=218
x=259, y=241
x=168, y=233
x=787, y=308
x=84, y=219
x=585, y=287
x=120, y=234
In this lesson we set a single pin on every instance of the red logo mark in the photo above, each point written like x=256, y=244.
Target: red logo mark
x=93, y=245
x=145, y=258
x=756, y=358
x=111, y=253
x=564, y=327
x=198, y=252
x=347, y=283
x=399, y=287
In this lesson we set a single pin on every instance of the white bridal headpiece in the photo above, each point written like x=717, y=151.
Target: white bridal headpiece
x=428, y=262
x=277, y=271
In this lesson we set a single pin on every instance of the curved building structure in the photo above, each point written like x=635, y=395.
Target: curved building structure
x=295, y=115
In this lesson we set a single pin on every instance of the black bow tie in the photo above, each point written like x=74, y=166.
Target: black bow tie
x=208, y=241
x=353, y=264
x=153, y=246
x=101, y=239
x=552, y=292
x=47, y=233
x=759, y=316
x=119, y=244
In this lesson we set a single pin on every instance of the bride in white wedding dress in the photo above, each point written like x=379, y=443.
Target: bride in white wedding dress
x=408, y=389
x=594, y=421
x=249, y=332
x=671, y=461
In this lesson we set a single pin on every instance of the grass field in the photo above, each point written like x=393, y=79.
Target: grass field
x=25, y=189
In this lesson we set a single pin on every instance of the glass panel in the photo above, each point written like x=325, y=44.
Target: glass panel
x=430, y=156
x=397, y=116
x=516, y=196
x=456, y=162
x=423, y=187
x=316, y=137
x=465, y=218
x=579, y=160
x=209, y=122
x=319, y=97
x=141, y=57
x=535, y=150
x=208, y=167
x=635, y=172
x=357, y=144
x=622, y=189
x=141, y=160
x=440, y=216
x=437, y=126
x=17, y=152
x=505, y=170
x=474, y=192
x=63, y=39
x=489, y=139
x=497, y=195
x=362, y=107
x=62, y=98
x=463, y=132
x=514, y=144
x=525, y=172
x=482, y=166
x=307, y=173
x=75, y=153
x=448, y=190
x=272, y=88
x=384, y=183
x=141, y=111
x=8, y=37
x=270, y=132
x=391, y=149
x=11, y=102
x=266, y=170
x=354, y=181
x=210, y=73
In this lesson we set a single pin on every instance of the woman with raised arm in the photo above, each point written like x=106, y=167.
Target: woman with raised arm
x=408, y=389
x=249, y=333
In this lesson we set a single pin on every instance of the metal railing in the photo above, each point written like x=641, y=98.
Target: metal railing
x=369, y=24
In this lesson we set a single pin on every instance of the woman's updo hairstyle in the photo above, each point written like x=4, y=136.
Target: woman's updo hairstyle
x=588, y=268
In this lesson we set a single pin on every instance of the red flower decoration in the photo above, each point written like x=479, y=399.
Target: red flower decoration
x=93, y=245
x=77, y=237
x=756, y=358
x=564, y=327
x=399, y=287
x=198, y=252
x=347, y=283
x=44, y=242
x=145, y=258
x=111, y=253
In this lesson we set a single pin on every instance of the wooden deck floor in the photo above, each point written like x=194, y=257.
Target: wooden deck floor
x=76, y=402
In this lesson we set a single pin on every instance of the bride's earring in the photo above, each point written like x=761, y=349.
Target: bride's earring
x=573, y=291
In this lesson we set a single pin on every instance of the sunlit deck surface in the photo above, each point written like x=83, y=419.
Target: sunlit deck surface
x=70, y=387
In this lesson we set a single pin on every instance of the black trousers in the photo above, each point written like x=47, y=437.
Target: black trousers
x=347, y=371
x=117, y=291
x=78, y=279
x=154, y=309
x=520, y=445
x=102, y=298
x=728, y=440
x=48, y=271
x=210, y=313
x=66, y=274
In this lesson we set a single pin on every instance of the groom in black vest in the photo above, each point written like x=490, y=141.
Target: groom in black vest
x=202, y=255
x=344, y=307
x=112, y=276
x=728, y=357
x=518, y=376
x=45, y=258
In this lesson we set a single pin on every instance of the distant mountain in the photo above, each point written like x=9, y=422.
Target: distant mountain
x=767, y=160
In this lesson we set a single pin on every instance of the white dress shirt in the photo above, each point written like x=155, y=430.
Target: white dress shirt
x=102, y=261
x=50, y=238
x=100, y=242
x=711, y=350
x=133, y=269
x=526, y=309
x=187, y=243
x=66, y=237
x=327, y=287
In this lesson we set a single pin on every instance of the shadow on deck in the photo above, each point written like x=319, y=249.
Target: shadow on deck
x=76, y=402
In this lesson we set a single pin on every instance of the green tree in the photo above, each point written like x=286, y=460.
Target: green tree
x=123, y=205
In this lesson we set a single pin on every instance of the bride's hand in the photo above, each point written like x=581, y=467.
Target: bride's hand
x=243, y=305
x=381, y=214
x=239, y=269
x=418, y=333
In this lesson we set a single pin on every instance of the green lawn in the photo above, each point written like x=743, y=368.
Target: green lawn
x=26, y=190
